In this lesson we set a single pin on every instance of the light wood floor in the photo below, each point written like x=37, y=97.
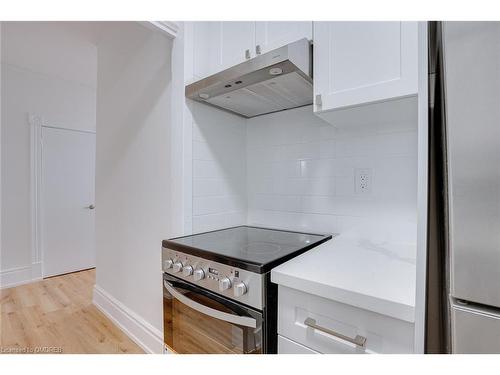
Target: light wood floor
x=57, y=313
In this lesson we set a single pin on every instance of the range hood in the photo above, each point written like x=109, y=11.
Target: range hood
x=277, y=80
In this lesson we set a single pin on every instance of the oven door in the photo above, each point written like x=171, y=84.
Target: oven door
x=198, y=321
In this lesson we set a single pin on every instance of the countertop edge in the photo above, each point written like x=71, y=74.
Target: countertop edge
x=381, y=306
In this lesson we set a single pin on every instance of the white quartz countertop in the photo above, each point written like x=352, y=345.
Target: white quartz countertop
x=379, y=277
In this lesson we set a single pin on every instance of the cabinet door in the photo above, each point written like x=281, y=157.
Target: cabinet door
x=383, y=334
x=206, y=48
x=363, y=62
x=220, y=45
x=236, y=38
x=286, y=346
x=273, y=34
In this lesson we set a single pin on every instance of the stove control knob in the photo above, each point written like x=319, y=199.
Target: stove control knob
x=224, y=284
x=239, y=289
x=187, y=271
x=177, y=267
x=198, y=274
x=168, y=264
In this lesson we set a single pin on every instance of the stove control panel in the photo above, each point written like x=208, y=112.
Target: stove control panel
x=168, y=263
x=234, y=283
x=177, y=267
x=198, y=274
x=239, y=289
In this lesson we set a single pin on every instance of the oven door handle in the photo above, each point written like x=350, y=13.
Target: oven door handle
x=230, y=318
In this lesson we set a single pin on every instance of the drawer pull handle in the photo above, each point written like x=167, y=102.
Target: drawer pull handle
x=358, y=340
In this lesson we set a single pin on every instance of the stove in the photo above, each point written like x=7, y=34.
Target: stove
x=223, y=278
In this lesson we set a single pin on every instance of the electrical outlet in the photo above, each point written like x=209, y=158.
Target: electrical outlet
x=363, y=180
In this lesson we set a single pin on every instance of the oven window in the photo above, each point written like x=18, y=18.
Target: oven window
x=188, y=330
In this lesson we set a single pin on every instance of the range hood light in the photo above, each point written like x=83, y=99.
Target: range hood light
x=204, y=96
x=275, y=71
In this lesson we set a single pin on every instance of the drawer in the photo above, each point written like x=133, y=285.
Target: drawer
x=326, y=318
x=286, y=346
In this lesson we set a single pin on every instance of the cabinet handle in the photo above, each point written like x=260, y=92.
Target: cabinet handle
x=247, y=54
x=358, y=340
x=258, y=50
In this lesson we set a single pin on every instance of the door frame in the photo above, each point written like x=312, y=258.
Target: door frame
x=37, y=123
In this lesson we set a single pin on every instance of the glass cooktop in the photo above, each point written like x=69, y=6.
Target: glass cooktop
x=252, y=248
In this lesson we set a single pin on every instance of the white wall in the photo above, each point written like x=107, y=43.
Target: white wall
x=50, y=72
x=301, y=175
x=133, y=177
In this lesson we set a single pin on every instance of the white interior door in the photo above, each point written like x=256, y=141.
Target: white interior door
x=67, y=199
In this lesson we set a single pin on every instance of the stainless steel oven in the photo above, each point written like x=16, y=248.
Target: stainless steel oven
x=217, y=291
x=199, y=321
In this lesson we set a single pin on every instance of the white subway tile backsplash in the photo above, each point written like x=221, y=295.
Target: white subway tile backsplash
x=326, y=168
x=320, y=186
x=317, y=168
x=355, y=146
x=294, y=221
x=205, y=169
x=275, y=202
x=400, y=143
x=286, y=169
x=203, y=187
x=301, y=151
x=344, y=185
x=327, y=148
x=289, y=186
x=261, y=185
x=291, y=170
x=321, y=195
x=218, y=203
x=219, y=169
x=201, y=151
x=353, y=205
x=215, y=221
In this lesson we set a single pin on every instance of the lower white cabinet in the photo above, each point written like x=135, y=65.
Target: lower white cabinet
x=287, y=346
x=316, y=324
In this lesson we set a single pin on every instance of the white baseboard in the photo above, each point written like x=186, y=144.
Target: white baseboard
x=20, y=275
x=36, y=271
x=140, y=331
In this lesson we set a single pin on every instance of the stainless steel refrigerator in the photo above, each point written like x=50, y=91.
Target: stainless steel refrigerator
x=471, y=83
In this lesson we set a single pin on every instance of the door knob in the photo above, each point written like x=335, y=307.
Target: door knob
x=91, y=207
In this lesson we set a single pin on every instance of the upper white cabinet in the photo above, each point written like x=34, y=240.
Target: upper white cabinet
x=274, y=34
x=236, y=38
x=357, y=63
x=206, y=45
x=220, y=45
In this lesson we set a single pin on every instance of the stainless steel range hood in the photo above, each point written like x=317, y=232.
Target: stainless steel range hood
x=277, y=80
